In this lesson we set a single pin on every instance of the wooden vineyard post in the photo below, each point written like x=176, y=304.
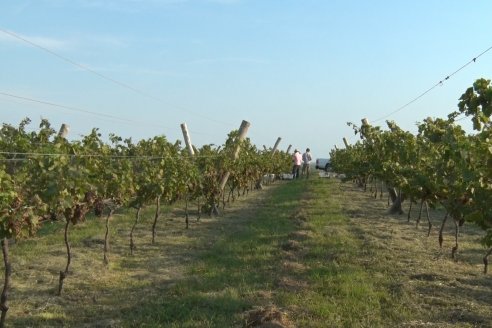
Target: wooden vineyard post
x=243, y=130
x=288, y=149
x=191, y=151
x=346, y=143
x=64, y=129
x=63, y=274
x=187, y=139
x=276, y=145
x=270, y=179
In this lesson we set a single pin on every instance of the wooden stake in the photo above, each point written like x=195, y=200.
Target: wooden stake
x=187, y=139
x=64, y=129
x=288, y=149
x=243, y=130
x=276, y=145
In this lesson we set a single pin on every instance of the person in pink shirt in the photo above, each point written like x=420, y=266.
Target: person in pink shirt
x=297, y=161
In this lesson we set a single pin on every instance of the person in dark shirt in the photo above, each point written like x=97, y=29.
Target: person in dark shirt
x=306, y=162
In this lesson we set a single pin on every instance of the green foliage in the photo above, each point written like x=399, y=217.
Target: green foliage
x=477, y=103
x=441, y=164
x=46, y=176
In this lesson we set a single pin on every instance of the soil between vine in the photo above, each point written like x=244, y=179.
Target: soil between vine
x=320, y=252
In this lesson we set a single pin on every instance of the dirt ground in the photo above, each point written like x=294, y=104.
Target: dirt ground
x=96, y=295
x=442, y=292
x=445, y=292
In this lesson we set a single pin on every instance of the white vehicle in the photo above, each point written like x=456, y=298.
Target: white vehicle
x=323, y=164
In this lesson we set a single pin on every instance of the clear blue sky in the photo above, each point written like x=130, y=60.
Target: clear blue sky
x=296, y=69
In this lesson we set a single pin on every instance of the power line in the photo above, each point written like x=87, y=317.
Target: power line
x=434, y=86
x=107, y=78
x=29, y=155
x=80, y=110
x=74, y=109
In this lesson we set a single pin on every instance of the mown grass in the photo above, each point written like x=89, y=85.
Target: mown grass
x=342, y=291
x=315, y=276
x=227, y=279
x=311, y=252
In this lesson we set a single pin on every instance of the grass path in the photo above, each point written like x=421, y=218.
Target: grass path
x=313, y=253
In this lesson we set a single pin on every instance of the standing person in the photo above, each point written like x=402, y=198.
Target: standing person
x=306, y=162
x=297, y=160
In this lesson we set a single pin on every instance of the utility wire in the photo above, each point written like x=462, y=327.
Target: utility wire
x=29, y=155
x=80, y=110
x=434, y=86
x=107, y=78
x=74, y=109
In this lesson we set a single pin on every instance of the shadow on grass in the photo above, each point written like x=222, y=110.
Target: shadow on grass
x=207, y=280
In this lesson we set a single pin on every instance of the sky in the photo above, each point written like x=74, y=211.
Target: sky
x=295, y=69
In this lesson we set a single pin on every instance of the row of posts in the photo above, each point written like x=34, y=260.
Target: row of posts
x=243, y=130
